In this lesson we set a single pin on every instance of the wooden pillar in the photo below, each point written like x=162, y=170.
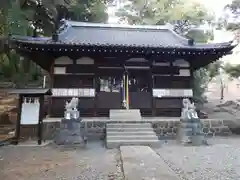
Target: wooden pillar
x=127, y=90
x=172, y=73
x=18, y=125
x=51, y=75
x=192, y=80
x=151, y=80
x=40, y=119
x=96, y=87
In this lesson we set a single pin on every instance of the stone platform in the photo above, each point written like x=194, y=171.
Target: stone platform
x=164, y=127
x=141, y=162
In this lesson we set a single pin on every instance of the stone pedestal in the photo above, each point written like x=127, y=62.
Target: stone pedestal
x=190, y=132
x=69, y=133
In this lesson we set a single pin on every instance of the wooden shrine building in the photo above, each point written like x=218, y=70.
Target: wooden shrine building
x=114, y=66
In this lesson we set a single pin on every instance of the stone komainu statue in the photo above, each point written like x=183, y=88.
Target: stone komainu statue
x=72, y=105
x=188, y=110
x=191, y=126
x=71, y=110
x=70, y=127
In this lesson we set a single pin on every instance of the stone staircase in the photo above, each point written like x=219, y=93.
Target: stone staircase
x=127, y=128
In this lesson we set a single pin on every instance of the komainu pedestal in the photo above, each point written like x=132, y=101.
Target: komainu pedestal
x=69, y=132
x=190, y=130
x=70, y=126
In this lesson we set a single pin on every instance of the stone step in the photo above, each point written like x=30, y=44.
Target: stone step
x=128, y=129
x=137, y=133
x=115, y=111
x=132, y=137
x=125, y=142
x=130, y=125
x=131, y=114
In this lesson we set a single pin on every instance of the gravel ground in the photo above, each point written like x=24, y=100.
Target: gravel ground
x=218, y=161
x=50, y=163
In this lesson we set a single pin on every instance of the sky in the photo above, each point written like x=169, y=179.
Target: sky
x=215, y=5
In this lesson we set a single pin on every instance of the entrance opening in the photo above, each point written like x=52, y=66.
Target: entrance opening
x=140, y=90
x=108, y=94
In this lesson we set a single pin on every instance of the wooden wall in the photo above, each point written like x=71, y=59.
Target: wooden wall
x=85, y=72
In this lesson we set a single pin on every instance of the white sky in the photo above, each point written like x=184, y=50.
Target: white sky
x=215, y=5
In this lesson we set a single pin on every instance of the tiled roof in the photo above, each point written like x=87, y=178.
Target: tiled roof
x=124, y=37
x=127, y=35
x=96, y=34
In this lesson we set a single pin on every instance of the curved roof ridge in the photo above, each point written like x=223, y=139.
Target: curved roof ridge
x=217, y=45
x=105, y=25
x=29, y=38
x=225, y=43
x=183, y=39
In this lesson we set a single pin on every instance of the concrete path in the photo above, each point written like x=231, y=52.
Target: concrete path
x=142, y=163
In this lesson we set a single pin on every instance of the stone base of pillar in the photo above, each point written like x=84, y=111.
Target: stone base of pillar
x=190, y=133
x=70, y=133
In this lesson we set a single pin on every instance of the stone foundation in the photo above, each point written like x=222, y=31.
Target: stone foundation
x=166, y=129
x=169, y=129
x=95, y=130
x=50, y=129
x=216, y=128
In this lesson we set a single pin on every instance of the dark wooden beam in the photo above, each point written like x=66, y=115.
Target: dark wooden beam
x=18, y=124
x=80, y=68
x=51, y=75
x=165, y=70
x=96, y=86
x=151, y=83
x=40, y=119
x=172, y=73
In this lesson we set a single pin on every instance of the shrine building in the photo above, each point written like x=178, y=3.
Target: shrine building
x=119, y=66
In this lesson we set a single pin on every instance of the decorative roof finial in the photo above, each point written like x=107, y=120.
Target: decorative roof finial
x=191, y=42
